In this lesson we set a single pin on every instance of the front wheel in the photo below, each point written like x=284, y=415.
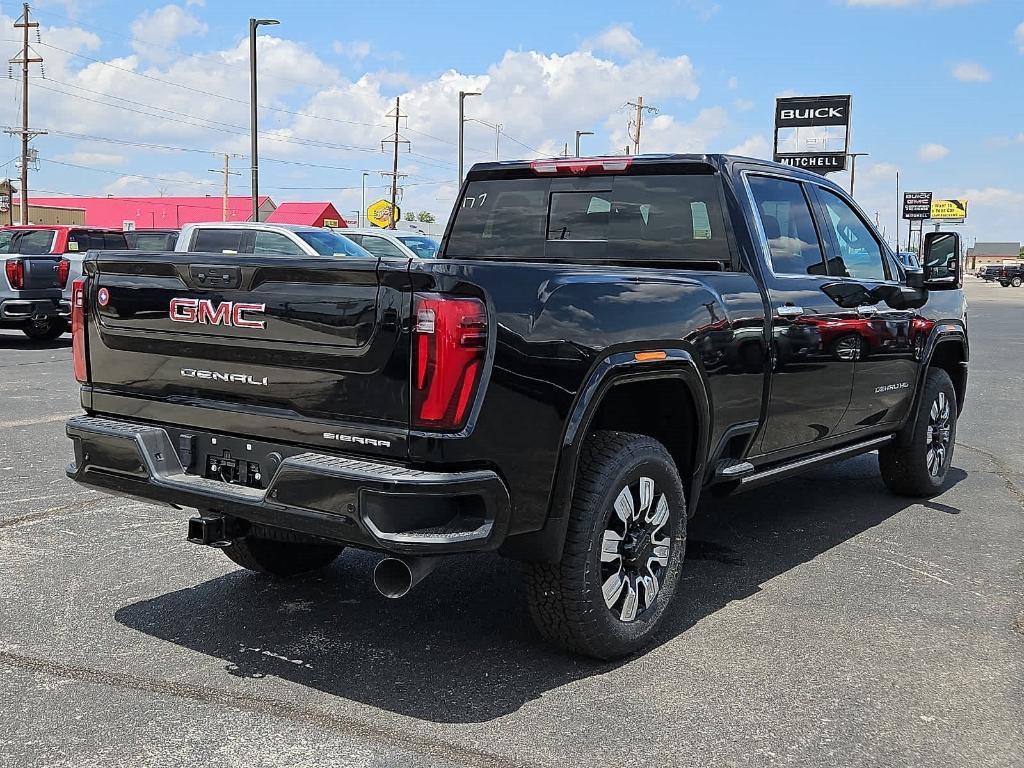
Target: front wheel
x=281, y=553
x=48, y=329
x=623, y=551
x=1016, y=282
x=916, y=464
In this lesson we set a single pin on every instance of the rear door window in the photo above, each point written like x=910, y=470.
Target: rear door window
x=219, y=240
x=651, y=218
x=277, y=244
x=788, y=226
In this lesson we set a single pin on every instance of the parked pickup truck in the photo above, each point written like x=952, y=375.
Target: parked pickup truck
x=600, y=345
x=31, y=284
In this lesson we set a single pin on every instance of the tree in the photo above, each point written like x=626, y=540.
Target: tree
x=410, y=216
x=426, y=217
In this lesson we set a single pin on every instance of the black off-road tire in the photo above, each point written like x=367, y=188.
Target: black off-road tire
x=1016, y=282
x=277, y=552
x=51, y=330
x=905, y=463
x=566, y=599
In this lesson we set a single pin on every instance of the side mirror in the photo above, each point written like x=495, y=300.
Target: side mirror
x=941, y=261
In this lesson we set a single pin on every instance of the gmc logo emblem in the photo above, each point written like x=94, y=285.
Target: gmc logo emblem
x=203, y=312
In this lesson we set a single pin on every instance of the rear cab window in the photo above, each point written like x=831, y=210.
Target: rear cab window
x=228, y=241
x=648, y=218
x=29, y=242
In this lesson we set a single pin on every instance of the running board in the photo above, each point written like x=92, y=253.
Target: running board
x=780, y=471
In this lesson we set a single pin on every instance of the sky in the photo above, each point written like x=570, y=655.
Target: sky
x=144, y=98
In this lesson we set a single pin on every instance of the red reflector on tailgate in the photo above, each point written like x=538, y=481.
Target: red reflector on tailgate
x=449, y=344
x=78, y=309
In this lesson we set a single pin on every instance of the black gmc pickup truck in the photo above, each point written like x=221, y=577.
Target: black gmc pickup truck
x=600, y=344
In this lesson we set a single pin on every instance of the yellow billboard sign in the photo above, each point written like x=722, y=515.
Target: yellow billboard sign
x=949, y=209
x=380, y=214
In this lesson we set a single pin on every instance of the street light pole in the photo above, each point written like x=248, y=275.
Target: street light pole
x=363, y=211
x=462, y=125
x=853, y=167
x=578, y=134
x=253, y=24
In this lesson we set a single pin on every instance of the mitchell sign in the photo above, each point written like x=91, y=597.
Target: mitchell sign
x=813, y=132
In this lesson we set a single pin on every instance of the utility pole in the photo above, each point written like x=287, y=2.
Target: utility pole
x=395, y=139
x=24, y=58
x=638, y=122
x=226, y=170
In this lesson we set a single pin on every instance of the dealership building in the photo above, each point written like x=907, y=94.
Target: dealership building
x=983, y=254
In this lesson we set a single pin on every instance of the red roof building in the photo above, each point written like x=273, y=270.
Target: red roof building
x=309, y=214
x=159, y=212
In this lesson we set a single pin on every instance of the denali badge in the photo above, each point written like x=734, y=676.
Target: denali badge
x=357, y=440
x=892, y=387
x=202, y=311
x=234, y=378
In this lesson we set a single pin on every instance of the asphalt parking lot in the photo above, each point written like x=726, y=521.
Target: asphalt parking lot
x=821, y=622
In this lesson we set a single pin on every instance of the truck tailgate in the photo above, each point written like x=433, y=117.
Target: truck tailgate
x=40, y=272
x=279, y=348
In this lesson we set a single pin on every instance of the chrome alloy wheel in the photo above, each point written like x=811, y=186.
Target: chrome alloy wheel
x=938, y=434
x=635, y=550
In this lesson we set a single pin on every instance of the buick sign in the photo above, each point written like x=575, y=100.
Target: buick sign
x=812, y=132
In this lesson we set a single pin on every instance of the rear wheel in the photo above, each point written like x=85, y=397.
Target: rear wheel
x=1015, y=282
x=623, y=550
x=278, y=552
x=917, y=463
x=48, y=329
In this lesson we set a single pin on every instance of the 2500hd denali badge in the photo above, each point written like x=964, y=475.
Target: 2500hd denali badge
x=203, y=312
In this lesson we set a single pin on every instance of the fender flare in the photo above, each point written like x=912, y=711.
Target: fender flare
x=611, y=371
x=945, y=332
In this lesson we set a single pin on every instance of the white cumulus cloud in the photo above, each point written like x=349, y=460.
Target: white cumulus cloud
x=155, y=33
x=932, y=152
x=618, y=39
x=971, y=72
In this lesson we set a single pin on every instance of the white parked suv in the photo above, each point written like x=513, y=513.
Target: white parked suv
x=391, y=242
x=270, y=239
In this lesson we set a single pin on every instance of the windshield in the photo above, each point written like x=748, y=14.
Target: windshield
x=332, y=244
x=424, y=247
x=27, y=241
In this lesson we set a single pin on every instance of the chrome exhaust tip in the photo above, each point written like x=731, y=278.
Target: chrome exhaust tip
x=393, y=577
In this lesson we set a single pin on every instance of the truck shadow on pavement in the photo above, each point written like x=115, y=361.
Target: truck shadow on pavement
x=22, y=342
x=461, y=647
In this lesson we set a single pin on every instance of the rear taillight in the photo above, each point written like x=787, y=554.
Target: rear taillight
x=15, y=269
x=63, y=270
x=78, y=310
x=449, y=345
x=589, y=166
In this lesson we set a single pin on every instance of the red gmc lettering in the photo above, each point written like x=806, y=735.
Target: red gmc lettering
x=211, y=316
x=203, y=312
x=240, y=322
x=183, y=310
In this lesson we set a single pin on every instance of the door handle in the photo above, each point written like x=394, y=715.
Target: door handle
x=789, y=311
x=867, y=311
